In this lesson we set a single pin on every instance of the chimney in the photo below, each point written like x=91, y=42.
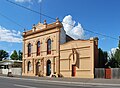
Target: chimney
x=45, y=24
x=34, y=28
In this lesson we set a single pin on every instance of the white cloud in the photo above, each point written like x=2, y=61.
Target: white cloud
x=39, y=1
x=112, y=51
x=29, y=1
x=10, y=35
x=21, y=1
x=76, y=32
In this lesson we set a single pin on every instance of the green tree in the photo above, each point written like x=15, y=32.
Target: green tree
x=20, y=55
x=114, y=60
x=14, y=55
x=117, y=54
x=3, y=54
x=102, y=58
x=119, y=43
x=113, y=63
x=105, y=58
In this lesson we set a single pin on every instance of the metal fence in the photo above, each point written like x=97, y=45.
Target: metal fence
x=101, y=73
x=115, y=72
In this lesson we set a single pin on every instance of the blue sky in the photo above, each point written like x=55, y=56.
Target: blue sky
x=101, y=16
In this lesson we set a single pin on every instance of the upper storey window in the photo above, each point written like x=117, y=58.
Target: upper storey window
x=29, y=49
x=49, y=46
x=38, y=48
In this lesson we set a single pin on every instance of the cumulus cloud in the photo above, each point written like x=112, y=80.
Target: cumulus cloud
x=21, y=1
x=10, y=35
x=74, y=31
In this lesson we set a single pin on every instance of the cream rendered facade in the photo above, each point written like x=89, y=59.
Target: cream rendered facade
x=78, y=58
x=75, y=58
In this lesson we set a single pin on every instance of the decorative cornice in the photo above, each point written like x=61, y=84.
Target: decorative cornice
x=56, y=24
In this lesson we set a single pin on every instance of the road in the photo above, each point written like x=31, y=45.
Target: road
x=11, y=82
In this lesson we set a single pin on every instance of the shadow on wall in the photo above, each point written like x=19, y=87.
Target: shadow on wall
x=77, y=60
x=74, y=57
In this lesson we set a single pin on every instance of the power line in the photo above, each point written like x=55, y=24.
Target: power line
x=101, y=34
x=11, y=20
x=40, y=11
x=60, y=21
x=94, y=32
x=30, y=9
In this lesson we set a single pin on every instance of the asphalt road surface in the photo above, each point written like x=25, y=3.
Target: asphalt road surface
x=11, y=82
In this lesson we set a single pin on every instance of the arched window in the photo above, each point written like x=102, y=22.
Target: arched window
x=49, y=46
x=29, y=49
x=29, y=66
x=38, y=48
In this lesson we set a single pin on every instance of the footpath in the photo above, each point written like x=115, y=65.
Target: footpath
x=93, y=82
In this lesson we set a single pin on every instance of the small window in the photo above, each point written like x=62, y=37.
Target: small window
x=29, y=66
x=29, y=49
x=38, y=48
x=49, y=46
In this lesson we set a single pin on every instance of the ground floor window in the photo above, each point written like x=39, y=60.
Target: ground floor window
x=29, y=66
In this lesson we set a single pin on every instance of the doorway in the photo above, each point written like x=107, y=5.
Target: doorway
x=73, y=70
x=37, y=68
x=48, y=67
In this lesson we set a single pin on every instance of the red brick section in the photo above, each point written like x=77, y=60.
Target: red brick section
x=95, y=54
x=108, y=73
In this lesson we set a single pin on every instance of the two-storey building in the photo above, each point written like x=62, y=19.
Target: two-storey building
x=48, y=50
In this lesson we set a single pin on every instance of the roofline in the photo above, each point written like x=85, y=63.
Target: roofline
x=48, y=26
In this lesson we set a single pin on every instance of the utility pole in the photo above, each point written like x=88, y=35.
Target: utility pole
x=40, y=10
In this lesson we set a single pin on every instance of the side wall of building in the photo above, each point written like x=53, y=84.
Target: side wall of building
x=77, y=58
x=62, y=36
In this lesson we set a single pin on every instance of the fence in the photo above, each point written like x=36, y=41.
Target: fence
x=111, y=73
x=99, y=73
x=0, y=71
x=15, y=71
x=115, y=73
x=5, y=71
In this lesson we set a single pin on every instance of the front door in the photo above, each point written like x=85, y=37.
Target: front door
x=73, y=70
x=37, y=68
x=48, y=68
